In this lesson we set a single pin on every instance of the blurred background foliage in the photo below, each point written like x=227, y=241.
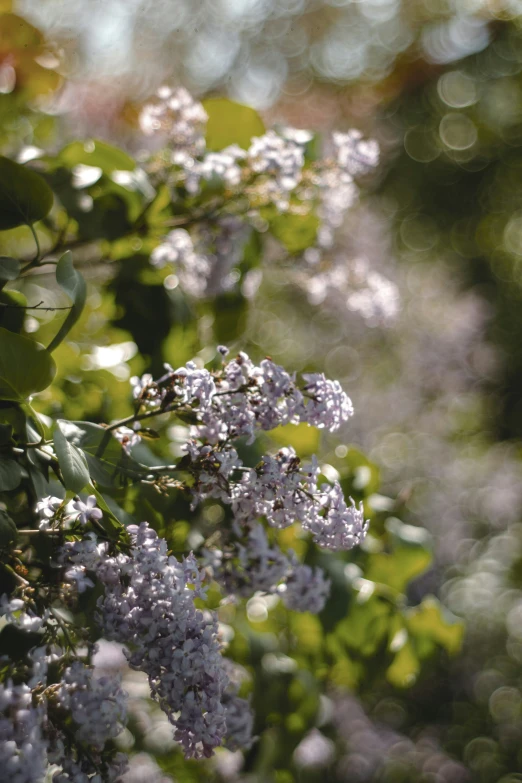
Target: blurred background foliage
x=437, y=393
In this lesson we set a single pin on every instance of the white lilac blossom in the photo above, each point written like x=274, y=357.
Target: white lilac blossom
x=212, y=469
x=145, y=390
x=127, y=437
x=221, y=165
x=234, y=402
x=175, y=118
x=85, y=512
x=355, y=154
x=282, y=160
x=350, y=285
x=283, y=492
x=76, y=770
x=338, y=194
x=245, y=397
x=276, y=490
x=78, y=576
x=149, y=605
x=305, y=589
x=259, y=567
x=328, y=406
x=23, y=748
x=204, y=265
x=270, y=171
x=240, y=722
x=176, y=248
x=97, y=705
x=46, y=509
x=251, y=564
x=251, y=397
x=17, y=612
x=341, y=526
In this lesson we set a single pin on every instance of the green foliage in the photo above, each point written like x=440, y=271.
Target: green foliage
x=74, y=286
x=295, y=232
x=407, y=558
x=9, y=269
x=72, y=461
x=96, y=153
x=8, y=531
x=12, y=310
x=131, y=318
x=26, y=367
x=25, y=197
x=230, y=123
x=10, y=473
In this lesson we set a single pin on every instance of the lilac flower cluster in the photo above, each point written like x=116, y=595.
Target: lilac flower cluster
x=252, y=565
x=174, y=117
x=149, y=605
x=283, y=492
x=272, y=171
x=128, y=437
x=350, y=285
x=97, y=706
x=49, y=508
x=240, y=719
x=355, y=154
x=204, y=264
x=244, y=397
x=281, y=160
x=32, y=732
x=23, y=747
x=17, y=612
x=223, y=166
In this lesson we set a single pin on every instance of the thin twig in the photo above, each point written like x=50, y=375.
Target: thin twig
x=34, y=307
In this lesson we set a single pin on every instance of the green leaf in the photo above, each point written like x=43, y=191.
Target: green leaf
x=430, y=622
x=105, y=469
x=72, y=461
x=6, y=432
x=110, y=523
x=25, y=196
x=295, y=232
x=96, y=153
x=8, y=531
x=230, y=123
x=9, y=269
x=303, y=438
x=410, y=556
x=10, y=474
x=74, y=286
x=398, y=568
x=358, y=473
x=26, y=366
x=405, y=667
x=366, y=626
x=12, y=317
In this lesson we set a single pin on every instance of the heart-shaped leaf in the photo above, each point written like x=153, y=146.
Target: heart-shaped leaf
x=12, y=310
x=8, y=531
x=9, y=269
x=26, y=366
x=74, y=286
x=106, y=471
x=98, y=154
x=72, y=461
x=231, y=123
x=25, y=196
x=10, y=474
